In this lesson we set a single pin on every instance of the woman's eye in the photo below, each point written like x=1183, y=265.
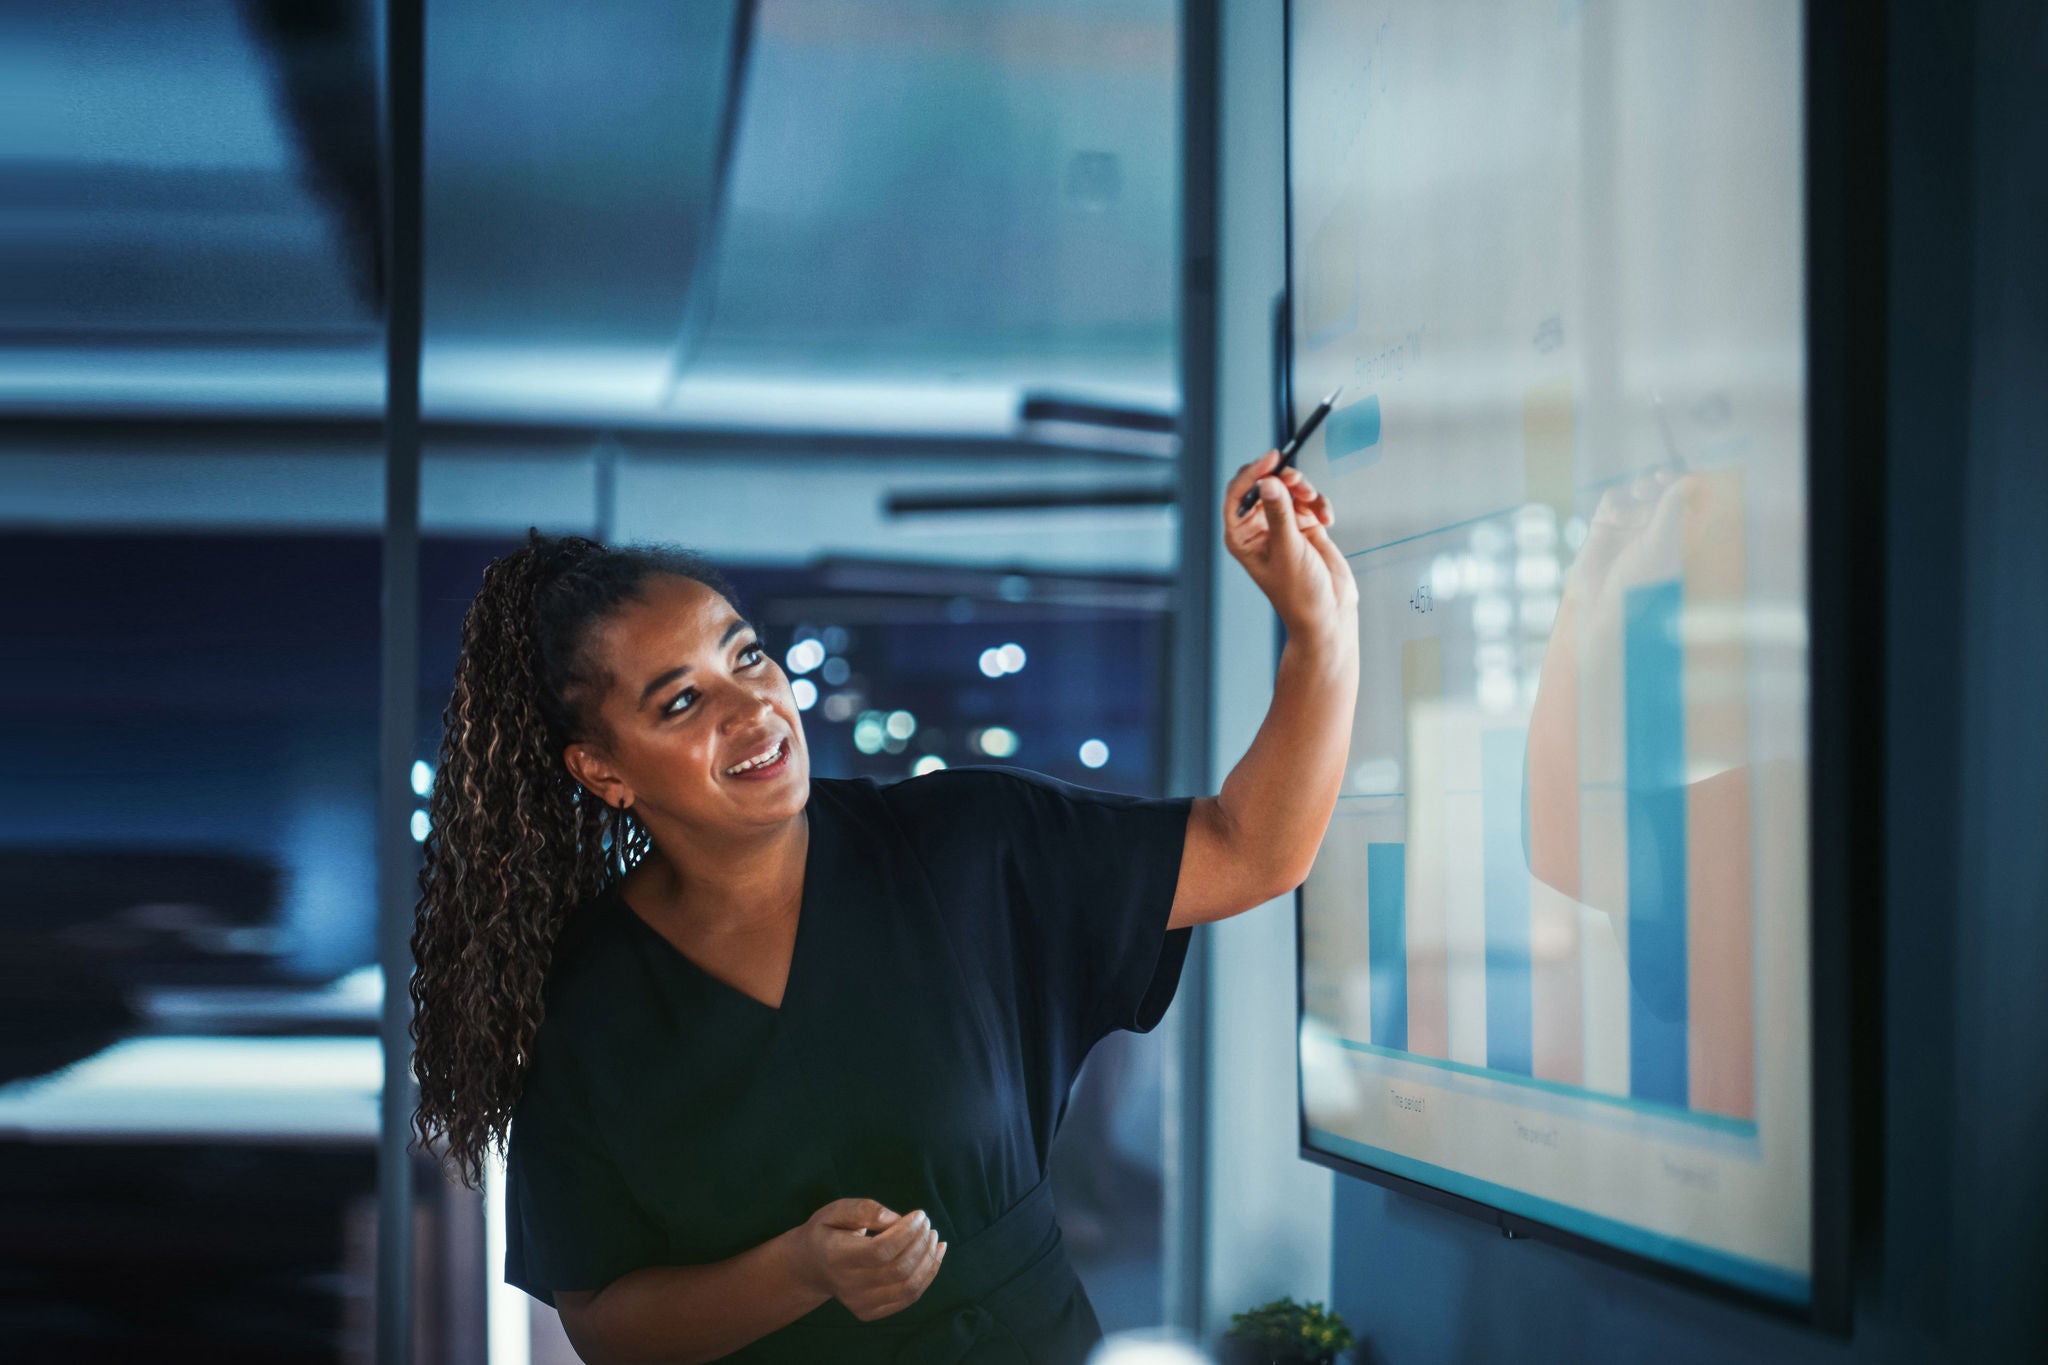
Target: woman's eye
x=684, y=698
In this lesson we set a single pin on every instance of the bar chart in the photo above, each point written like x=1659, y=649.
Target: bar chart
x=1544, y=892
x=1555, y=945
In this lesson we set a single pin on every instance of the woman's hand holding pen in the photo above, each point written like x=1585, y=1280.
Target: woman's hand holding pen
x=1286, y=548
x=877, y=1275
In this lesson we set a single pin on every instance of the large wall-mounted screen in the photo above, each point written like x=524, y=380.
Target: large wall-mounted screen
x=1555, y=948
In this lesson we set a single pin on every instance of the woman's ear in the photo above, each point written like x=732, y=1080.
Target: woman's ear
x=588, y=767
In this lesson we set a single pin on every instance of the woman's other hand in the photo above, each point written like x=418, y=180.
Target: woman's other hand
x=877, y=1275
x=1284, y=545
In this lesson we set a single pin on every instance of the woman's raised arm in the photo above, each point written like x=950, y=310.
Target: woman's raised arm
x=1257, y=838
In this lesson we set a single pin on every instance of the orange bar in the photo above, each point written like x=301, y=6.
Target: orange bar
x=1547, y=467
x=1720, y=1003
x=1721, y=1041
x=1422, y=705
x=1557, y=1038
x=1554, y=759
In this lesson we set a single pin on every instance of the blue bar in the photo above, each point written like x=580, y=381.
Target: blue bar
x=1352, y=428
x=1386, y=910
x=1654, y=739
x=1510, y=1007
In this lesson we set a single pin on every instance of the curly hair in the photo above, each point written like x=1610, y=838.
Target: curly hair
x=515, y=844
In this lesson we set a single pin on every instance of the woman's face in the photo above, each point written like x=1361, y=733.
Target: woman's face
x=693, y=695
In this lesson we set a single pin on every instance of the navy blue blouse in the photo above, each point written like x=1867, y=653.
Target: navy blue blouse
x=965, y=937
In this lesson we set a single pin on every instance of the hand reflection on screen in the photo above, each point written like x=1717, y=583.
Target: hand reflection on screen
x=1638, y=535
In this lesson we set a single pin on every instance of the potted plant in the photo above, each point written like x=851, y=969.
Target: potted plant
x=1284, y=1332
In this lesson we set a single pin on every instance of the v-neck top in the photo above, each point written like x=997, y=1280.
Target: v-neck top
x=617, y=893
x=964, y=938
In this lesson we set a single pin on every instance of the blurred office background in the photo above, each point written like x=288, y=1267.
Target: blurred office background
x=875, y=303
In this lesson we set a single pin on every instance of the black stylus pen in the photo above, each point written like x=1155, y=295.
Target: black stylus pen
x=1291, y=449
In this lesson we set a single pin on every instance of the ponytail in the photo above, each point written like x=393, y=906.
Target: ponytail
x=514, y=843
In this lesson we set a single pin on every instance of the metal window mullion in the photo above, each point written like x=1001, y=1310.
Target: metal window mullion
x=403, y=89
x=1185, y=1101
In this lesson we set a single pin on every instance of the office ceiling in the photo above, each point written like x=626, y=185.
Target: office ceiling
x=863, y=216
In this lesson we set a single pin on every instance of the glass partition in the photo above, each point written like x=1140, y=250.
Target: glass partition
x=874, y=306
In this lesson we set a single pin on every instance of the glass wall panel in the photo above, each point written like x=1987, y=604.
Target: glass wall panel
x=873, y=305
x=190, y=512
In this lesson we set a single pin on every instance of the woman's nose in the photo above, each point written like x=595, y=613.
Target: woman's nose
x=749, y=709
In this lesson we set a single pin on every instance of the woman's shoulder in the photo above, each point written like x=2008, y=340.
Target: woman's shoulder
x=994, y=797
x=970, y=812
x=945, y=793
x=926, y=802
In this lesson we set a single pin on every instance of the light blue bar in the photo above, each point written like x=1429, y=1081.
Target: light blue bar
x=1353, y=428
x=1386, y=909
x=1510, y=1006
x=1758, y=1277
x=1654, y=743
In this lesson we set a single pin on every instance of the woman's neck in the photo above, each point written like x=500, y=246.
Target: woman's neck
x=737, y=886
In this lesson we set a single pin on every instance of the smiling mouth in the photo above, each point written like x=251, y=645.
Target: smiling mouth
x=765, y=760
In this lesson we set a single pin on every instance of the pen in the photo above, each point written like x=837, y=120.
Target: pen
x=1291, y=449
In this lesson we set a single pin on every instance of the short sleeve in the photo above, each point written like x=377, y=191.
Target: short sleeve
x=1090, y=878
x=570, y=1221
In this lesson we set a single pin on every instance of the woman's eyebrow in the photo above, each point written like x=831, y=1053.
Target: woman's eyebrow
x=732, y=628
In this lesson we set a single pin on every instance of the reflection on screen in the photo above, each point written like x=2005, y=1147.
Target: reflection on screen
x=1555, y=942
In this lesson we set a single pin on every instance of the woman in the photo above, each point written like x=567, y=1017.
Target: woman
x=782, y=1062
